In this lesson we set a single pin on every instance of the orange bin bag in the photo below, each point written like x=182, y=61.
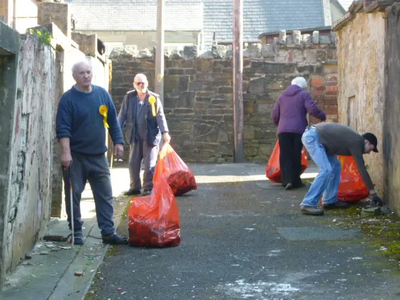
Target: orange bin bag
x=273, y=170
x=179, y=177
x=351, y=186
x=154, y=220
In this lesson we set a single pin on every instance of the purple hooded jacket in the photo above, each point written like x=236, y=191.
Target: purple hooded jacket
x=290, y=110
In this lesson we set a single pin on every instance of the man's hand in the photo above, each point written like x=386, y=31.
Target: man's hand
x=66, y=159
x=166, y=138
x=377, y=200
x=119, y=150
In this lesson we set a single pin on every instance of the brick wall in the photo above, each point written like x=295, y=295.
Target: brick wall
x=325, y=89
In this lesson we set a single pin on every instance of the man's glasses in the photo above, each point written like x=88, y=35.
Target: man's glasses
x=140, y=83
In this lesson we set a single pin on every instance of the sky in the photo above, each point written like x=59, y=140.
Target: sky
x=346, y=3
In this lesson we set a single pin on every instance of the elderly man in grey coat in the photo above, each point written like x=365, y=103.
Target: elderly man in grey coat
x=142, y=117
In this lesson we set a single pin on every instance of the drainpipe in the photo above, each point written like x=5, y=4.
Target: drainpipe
x=15, y=14
x=6, y=11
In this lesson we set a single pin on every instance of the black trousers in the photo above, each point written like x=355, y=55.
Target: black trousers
x=290, y=158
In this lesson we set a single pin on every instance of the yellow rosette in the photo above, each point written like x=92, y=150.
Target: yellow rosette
x=152, y=101
x=103, y=111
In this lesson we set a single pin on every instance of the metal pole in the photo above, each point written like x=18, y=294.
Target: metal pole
x=238, y=113
x=159, y=79
x=71, y=212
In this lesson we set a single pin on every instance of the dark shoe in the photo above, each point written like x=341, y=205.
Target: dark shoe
x=312, y=211
x=288, y=186
x=301, y=185
x=298, y=183
x=146, y=193
x=114, y=239
x=78, y=238
x=336, y=205
x=132, y=192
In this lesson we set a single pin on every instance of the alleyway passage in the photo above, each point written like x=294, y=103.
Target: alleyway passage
x=244, y=238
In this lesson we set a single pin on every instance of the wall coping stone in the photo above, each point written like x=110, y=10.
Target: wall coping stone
x=296, y=40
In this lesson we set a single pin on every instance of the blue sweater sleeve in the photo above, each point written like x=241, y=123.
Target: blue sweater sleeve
x=115, y=128
x=64, y=118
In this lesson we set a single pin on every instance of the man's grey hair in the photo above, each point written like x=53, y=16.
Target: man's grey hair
x=140, y=75
x=81, y=62
x=300, y=81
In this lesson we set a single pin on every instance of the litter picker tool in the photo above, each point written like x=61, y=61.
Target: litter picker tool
x=71, y=203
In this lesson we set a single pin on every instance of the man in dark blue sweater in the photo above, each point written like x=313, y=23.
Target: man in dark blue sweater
x=83, y=114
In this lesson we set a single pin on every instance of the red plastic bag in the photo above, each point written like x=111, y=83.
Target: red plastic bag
x=273, y=170
x=178, y=175
x=154, y=220
x=351, y=187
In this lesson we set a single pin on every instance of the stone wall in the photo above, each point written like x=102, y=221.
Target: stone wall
x=9, y=52
x=198, y=92
x=27, y=138
x=31, y=150
x=361, y=56
x=57, y=13
x=391, y=125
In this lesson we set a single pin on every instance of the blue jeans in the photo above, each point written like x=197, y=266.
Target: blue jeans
x=327, y=181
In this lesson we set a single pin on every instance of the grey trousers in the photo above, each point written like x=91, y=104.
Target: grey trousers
x=95, y=169
x=138, y=152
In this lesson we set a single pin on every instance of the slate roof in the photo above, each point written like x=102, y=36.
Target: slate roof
x=262, y=16
x=195, y=15
x=131, y=15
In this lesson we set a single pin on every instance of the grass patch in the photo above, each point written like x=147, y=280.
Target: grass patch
x=381, y=233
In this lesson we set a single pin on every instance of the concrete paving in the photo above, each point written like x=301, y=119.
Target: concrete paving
x=50, y=273
x=243, y=237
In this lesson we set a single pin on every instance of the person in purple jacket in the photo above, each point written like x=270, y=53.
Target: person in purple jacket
x=290, y=115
